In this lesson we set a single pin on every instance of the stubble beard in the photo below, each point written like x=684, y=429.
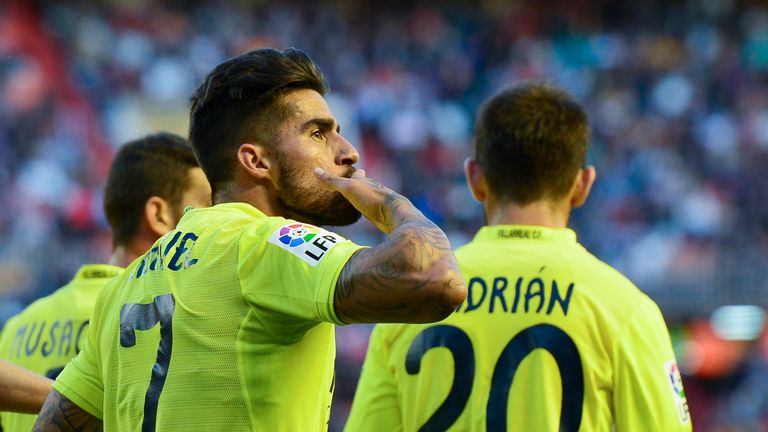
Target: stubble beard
x=313, y=203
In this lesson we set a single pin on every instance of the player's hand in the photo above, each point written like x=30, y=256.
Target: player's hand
x=379, y=204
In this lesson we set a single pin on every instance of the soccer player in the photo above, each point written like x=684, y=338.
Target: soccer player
x=21, y=390
x=227, y=323
x=549, y=338
x=151, y=181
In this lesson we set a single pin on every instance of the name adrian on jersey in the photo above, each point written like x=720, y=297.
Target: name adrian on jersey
x=307, y=242
x=529, y=295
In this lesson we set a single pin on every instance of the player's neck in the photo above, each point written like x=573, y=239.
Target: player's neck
x=123, y=254
x=538, y=213
x=121, y=257
x=257, y=196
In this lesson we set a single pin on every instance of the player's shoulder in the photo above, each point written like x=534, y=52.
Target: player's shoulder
x=214, y=230
x=221, y=218
x=40, y=308
x=254, y=234
x=613, y=287
x=240, y=222
x=591, y=265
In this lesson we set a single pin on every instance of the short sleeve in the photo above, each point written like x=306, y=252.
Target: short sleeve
x=80, y=381
x=290, y=268
x=648, y=391
x=375, y=407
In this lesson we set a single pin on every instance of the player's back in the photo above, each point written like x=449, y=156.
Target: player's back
x=201, y=334
x=538, y=345
x=47, y=334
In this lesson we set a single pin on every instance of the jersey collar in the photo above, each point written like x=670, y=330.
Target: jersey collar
x=526, y=232
x=232, y=207
x=98, y=271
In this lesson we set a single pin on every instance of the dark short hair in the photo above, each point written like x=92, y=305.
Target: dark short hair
x=241, y=101
x=156, y=165
x=531, y=140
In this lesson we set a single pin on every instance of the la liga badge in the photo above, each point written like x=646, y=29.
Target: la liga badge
x=678, y=394
x=305, y=241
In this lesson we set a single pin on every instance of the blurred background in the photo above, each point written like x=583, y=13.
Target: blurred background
x=677, y=93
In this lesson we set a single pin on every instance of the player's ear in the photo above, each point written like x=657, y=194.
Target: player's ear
x=255, y=160
x=475, y=179
x=582, y=185
x=158, y=215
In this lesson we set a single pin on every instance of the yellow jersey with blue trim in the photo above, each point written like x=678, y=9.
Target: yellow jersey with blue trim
x=549, y=338
x=226, y=323
x=47, y=334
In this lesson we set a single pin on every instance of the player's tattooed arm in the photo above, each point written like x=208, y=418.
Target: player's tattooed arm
x=59, y=414
x=411, y=277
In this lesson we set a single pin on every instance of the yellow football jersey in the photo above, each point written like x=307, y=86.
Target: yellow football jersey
x=46, y=335
x=548, y=339
x=225, y=324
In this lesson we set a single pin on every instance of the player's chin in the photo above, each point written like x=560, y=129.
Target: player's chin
x=353, y=216
x=346, y=215
x=339, y=212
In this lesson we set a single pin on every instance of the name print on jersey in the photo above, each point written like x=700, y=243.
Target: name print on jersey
x=529, y=295
x=155, y=260
x=58, y=338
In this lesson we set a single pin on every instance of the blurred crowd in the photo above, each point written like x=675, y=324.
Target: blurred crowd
x=676, y=92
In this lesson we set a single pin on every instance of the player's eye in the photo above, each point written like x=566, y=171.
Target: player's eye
x=318, y=135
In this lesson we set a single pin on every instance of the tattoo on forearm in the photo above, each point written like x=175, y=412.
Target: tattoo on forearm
x=399, y=210
x=59, y=414
x=416, y=252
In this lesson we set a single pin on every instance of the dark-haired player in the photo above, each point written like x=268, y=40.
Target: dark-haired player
x=151, y=181
x=227, y=323
x=549, y=338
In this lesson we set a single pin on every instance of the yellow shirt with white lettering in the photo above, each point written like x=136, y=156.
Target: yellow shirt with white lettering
x=549, y=339
x=46, y=335
x=227, y=323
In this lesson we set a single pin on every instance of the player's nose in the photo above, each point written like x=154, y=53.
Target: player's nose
x=347, y=153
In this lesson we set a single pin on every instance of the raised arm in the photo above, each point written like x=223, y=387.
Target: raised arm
x=411, y=277
x=21, y=390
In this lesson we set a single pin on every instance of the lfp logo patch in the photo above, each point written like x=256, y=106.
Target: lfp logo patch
x=307, y=242
x=297, y=234
x=678, y=394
